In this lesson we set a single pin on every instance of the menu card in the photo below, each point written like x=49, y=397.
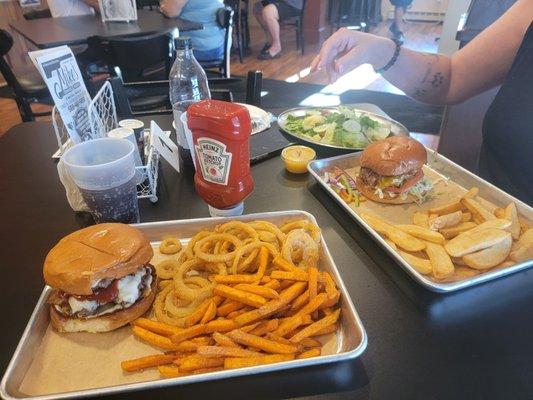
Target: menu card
x=113, y=10
x=63, y=78
x=165, y=146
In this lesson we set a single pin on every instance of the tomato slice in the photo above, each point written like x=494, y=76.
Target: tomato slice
x=104, y=295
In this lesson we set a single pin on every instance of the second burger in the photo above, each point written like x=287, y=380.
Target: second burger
x=391, y=171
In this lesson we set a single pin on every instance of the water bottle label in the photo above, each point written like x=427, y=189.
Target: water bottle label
x=215, y=161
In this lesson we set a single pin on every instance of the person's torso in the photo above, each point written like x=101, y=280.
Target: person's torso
x=68, y=8
x=204, y=12
x=507, y=154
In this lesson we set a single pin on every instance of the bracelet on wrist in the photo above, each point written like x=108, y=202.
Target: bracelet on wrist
x=394, y=58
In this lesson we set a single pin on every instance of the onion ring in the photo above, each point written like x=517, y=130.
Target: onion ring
x=247, y=249
x=185, y=291
x=200, y=253
x=299, y=239
x=200, y=235
x=238, y=226
x=166, y=268
x=270, y=227
x=267, y=236
x=248, y=261
x=170, y=246
x=160, y=309
x=305, y=225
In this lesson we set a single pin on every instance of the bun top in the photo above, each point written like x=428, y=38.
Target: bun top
x=395, y=155
x=102, y=251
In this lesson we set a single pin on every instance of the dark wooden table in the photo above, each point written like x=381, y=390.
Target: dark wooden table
x=474, y=344
x=51, y=32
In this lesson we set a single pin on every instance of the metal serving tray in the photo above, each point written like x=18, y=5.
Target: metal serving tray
x=351, y=339
x=457, y=174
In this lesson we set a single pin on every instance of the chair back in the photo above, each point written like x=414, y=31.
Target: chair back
x=6, y=43
x=224, y=89
x=304, y=2
x=134, y=57
x=37, y=14
x=224, y=18
x=141, y=4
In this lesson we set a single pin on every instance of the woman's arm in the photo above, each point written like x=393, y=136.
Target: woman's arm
x=434, y=78
x=172, y=8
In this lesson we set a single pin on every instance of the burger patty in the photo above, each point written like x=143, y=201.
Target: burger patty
x=110, y=295
x=369, y=177
x=372, y=179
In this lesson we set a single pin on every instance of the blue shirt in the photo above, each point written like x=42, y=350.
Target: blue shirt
x=204, y=12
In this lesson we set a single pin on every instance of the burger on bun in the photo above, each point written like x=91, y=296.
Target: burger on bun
x=391, y=171
x=101, y=278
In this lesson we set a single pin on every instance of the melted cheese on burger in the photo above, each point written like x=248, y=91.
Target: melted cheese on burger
x=84, y=305
x=128, y=294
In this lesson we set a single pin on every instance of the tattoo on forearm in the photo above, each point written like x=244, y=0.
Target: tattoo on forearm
x=430, y=66
x=435, y=79
x=438, y=79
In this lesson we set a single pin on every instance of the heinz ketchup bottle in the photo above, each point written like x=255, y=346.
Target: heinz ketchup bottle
x=221, y=138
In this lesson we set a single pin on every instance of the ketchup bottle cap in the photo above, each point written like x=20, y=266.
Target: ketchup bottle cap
x=227, y=212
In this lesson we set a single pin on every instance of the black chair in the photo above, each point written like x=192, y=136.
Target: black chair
x=138, y=59
x=242, y=28
x=126, y=94
x=297, y=22
x=28, y=88
x=224, y=18
x=357, y=14
x=150, y=4
x=36, y=14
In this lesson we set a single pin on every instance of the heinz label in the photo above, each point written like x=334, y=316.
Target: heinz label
x=215, y=161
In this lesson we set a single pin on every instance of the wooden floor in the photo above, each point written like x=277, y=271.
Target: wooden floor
x=293, y=67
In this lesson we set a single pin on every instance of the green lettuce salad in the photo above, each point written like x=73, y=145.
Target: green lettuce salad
x=343, y=127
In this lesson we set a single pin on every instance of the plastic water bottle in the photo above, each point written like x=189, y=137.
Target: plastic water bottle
x=188, y=85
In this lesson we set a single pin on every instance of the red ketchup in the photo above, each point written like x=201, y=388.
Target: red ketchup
x=221, y=138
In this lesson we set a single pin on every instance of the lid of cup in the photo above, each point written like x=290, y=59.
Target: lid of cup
x=227, y=212
x=131, y=123
x=120, y=133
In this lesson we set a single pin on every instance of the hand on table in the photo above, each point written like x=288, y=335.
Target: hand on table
x=347, y=49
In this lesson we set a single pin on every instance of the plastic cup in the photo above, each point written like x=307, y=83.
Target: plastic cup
x=185, y=143
x=104, y=171
x=138, y=129
x=128, y=134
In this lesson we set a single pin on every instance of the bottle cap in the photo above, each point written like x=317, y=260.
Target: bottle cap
x=183, y=43
x=227, y=212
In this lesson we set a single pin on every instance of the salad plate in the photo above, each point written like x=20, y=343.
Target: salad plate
x=339, y=129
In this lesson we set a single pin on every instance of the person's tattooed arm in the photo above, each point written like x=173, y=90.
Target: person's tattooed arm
x=480, y=65
x=424, y=77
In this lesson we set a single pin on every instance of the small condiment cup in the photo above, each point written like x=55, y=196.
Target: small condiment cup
x=296, y=158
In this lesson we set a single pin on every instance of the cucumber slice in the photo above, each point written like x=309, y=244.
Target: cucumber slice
x=351, y=126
